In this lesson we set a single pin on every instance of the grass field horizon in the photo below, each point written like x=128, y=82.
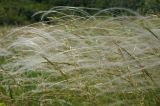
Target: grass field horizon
x=74, y=58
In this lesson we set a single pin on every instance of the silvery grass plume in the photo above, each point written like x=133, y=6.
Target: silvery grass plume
x=111, y=57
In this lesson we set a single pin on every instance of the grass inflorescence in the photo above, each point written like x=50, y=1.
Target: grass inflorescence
x=74, y=58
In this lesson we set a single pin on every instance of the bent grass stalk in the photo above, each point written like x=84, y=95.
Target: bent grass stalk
x=82, y=59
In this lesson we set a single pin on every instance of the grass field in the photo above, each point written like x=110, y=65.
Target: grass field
x=96, y=60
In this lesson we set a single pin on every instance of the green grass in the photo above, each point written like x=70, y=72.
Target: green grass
x=92, y=61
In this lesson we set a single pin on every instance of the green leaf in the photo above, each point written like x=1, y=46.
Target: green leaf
x=2, y=104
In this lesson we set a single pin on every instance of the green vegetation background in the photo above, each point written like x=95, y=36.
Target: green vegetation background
x=19, y=12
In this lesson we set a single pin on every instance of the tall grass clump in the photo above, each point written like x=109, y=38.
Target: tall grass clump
x=74, y=58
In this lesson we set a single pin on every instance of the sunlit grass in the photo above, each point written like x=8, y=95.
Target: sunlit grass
x=79, y=59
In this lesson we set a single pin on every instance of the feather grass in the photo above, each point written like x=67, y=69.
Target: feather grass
x=82, y=59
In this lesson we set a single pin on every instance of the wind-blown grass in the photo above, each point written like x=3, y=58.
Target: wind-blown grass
x=81, y=59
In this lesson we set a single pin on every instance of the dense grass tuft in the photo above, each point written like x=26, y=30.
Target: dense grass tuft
x=80, y=59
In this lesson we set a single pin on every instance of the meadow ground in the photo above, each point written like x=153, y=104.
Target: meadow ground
x=79, y=61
